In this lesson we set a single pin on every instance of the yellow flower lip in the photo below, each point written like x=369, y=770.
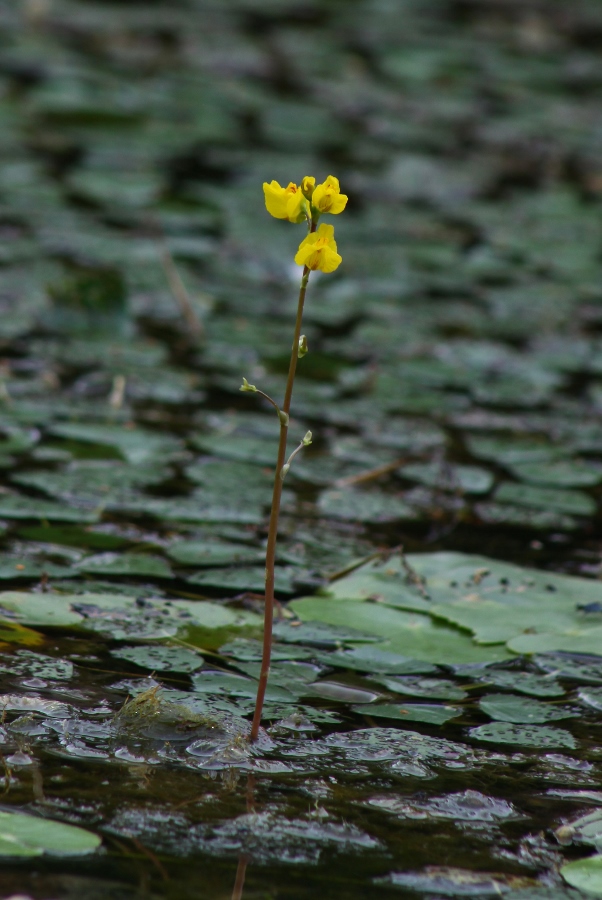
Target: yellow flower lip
x=285, y=203
x=327, y=197
x=319, y=250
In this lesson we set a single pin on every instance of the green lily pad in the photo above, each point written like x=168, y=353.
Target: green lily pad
x=467, y=479
x=559, y=473
x=35, y=665
x=245, y=578
x=201, y=507
x=14, y=506
x=159, y=658
x=133, y=564
x=213, y=553
x=411, y=712
x=95, y=481
x=244, y=448
x=524, y=517
x=558, y=500
x=508, y=451
x=492, y=623
x=494, y=601
x=523, y=735
x=521, y=710
x=353, y=504
x=28, y=836
x=573, y=640
x=136, y=445
x=562, y=665
x=15, y=566
x=323, y=635
x=122, y=616
x=431, y=688
x=584, y=874
x=523, y=682
x=39, y=609
x=413, y=634
x=374, y=660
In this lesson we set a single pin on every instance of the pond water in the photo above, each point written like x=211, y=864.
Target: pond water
x=433, y=721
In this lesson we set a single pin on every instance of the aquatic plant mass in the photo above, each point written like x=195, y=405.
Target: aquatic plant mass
x=413, y=706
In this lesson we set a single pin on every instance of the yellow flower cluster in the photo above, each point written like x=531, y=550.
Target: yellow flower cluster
x=307, y=202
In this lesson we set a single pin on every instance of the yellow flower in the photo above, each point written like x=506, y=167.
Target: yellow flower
x=285, y=203
x=319, y=250
x=327, y=197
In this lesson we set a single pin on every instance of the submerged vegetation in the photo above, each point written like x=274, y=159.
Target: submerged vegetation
x=432, y=722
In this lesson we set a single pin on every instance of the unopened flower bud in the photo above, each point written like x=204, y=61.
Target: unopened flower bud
x=308, y=186
x=284, y=470
x=307, y=439
x=245, y=386
x=303, y=349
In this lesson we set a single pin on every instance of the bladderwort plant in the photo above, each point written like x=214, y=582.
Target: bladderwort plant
x=317, y=251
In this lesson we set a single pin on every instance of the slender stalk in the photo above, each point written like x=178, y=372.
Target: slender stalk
x=239, y=882
x=270, y=556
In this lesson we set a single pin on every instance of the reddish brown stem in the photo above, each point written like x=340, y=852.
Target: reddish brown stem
x=270, y=556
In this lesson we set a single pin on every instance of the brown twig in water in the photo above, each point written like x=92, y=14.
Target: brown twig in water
x=180, y=293
x=370, y=474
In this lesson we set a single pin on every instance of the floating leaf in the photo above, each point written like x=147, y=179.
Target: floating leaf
x=467, y=479
x=411, y=712
x=523, y=735
x=213, y=553
x=406, y=633
x=561, y=665
x=136, y=445
x=431, y=688
x=559, y=473
x=375, y=660
x=523, y=682
x=341, y=693
x=557, y=500
x=364, y=506
x=133, y=564
x=584, y=874
x=521, y=710
x=578, y=639
x=122, y=616
x=245, y=578
x=35, y=665
x=158, y=658
x=13, y=506
x=23, y=835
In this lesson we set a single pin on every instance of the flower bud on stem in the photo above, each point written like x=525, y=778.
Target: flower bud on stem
x=250, y=388
x=304, y=443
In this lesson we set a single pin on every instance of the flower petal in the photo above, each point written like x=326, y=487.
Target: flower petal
x=275, y=199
